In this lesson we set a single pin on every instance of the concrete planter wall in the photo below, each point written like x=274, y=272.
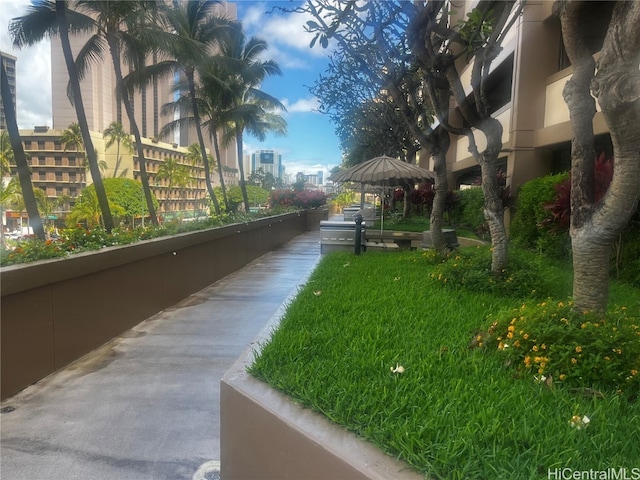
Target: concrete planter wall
x=264, y=435
x=55, y=311
x=314, y=217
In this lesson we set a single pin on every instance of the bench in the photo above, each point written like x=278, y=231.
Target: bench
x=336, y=235
x=450, y=238
x=402, y=240
x=382, y=246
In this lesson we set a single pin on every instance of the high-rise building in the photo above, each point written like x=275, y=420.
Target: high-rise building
x=270, y=161
x=9, y=63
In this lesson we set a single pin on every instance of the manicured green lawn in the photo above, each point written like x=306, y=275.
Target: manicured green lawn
x=454, y=412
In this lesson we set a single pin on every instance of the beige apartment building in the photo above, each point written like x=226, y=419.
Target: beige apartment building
x=526, y=90
x=63, y=173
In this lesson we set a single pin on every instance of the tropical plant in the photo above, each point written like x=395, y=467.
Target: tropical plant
x=71, y=138
x=194, y=29
x=6, y=153
x=249, y=108
x=119, y=25
x=115, y=133
x=176, y=175
x=46, y=19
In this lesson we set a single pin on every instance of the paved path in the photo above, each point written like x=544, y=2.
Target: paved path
x=146, y=405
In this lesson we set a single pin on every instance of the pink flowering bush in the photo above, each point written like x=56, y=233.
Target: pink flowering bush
x=304, y=199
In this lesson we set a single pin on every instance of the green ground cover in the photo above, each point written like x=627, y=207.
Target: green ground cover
x=408, y=351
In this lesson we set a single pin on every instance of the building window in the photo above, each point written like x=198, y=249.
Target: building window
x=58, y=176
x=73, y=192
x=58, y=161
x=72, y=162
x=42, y=161
x=40, y=145
x=57, y=145
x=72, y=177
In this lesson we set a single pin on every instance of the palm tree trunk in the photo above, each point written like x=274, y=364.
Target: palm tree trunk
x=203, y=151
x=82, y=117
x=243, y=186
x=18, y=154
x=144, y=177
x=216, y=147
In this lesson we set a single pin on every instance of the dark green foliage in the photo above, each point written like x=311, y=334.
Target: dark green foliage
x=257, y=196
x=468, y=211
x=527, y=274
x=526, y=227
x=627, y=263
x=127, y=194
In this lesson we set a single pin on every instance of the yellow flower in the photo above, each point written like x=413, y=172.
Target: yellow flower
x=578, y=349
x=562, y=376
x=512, y=328
x=525, y=336
x=634, y=372
x=534, y=348
x=574, y=361
x=510, y=335
x=543, y=346
x=527, y=361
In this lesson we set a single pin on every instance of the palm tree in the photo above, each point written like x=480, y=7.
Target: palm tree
x=195, y=30
x=72, y=138
x=212, y=94
x=21, y=161
x=116, y=134
x=249, y=108
x=176, y=174
x=115, y=20
x=6, y=153
x=46, y=19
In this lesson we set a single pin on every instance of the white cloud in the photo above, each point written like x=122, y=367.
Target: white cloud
x=302, y=106
x=282, y=30
x=33, y=70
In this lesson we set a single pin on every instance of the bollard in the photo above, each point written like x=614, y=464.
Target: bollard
x=358, y=236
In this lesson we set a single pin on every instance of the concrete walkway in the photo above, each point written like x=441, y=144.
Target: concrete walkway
x=146, y=405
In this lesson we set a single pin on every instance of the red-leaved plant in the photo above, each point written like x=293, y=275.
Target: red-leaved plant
x=560, y=207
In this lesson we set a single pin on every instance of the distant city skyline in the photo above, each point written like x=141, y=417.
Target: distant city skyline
x=311, y=144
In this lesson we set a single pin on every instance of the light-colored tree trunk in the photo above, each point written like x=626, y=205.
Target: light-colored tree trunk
x=616, y=85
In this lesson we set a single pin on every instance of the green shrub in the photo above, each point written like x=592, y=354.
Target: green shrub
x=627, y=263
x=554, y=344
x=468, y=211
x=527, y=274
x=526, y=230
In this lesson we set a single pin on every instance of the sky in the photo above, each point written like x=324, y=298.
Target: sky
x=310, y=144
